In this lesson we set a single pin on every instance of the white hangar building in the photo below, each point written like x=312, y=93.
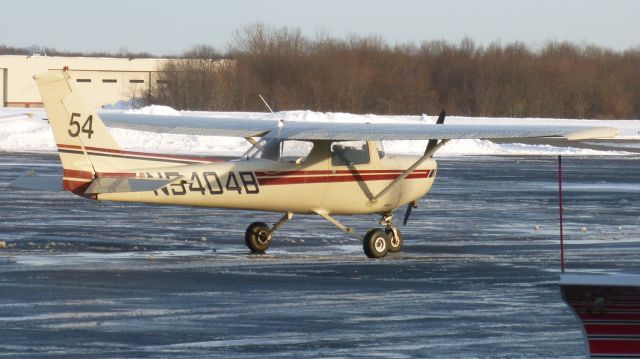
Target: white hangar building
x=106, y=80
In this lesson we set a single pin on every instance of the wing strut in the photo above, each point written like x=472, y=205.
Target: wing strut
x=253, y=142
x=287, y=216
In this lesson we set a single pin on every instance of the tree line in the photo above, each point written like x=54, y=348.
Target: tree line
x=50, y=51
x=367, y=75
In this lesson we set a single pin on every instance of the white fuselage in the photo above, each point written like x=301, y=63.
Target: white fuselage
x=286, y=186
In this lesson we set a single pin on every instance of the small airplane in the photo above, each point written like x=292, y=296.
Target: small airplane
x=292, y=167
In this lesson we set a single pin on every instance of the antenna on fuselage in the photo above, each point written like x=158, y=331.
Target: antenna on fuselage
x=265, y=103
x=280, y=121
x=254, y=143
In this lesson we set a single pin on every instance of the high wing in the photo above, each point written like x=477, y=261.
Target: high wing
x=188, y=125
x=214, y=126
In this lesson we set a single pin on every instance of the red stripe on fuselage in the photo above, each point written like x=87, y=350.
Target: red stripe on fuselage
x=330, y=172
x=89, y=175
x=266, y=181
x=150, y=156
x=264, y=177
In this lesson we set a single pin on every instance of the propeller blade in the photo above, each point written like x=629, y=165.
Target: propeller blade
x=430, y=145
x=407, y=213
x=440, y=121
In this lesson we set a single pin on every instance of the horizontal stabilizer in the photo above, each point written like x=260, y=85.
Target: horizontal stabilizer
x=124, y=184
x=30, y=180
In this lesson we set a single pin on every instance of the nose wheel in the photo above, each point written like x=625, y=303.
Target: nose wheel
x=377, y=243
x=395, y=239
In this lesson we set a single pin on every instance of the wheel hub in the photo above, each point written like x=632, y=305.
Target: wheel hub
x=394, y=241
x=262, y=237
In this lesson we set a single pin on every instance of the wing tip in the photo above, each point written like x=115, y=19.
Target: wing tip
x=592, y=133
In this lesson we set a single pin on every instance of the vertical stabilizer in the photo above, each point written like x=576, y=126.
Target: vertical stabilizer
x=84, y=143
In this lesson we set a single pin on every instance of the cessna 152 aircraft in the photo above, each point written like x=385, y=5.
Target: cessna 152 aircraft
x=343, y=172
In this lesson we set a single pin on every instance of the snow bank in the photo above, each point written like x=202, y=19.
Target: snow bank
x=25, y=130
x=155, y=110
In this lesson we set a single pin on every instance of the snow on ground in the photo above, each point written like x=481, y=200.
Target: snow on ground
x=25, y=130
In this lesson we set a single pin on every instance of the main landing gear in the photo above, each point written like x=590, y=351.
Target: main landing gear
x=258, y=236
x=376, y=243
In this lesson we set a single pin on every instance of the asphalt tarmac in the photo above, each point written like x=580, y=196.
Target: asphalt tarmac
x=477, y=277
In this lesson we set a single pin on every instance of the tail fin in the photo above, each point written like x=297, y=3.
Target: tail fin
x=84, y=143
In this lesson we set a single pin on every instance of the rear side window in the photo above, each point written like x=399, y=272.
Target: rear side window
x=348, y=153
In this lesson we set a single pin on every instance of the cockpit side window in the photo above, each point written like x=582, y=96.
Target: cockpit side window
x=283, y=150
x=347, y=153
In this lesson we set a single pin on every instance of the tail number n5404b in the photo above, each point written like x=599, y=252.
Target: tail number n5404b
x=209, y=183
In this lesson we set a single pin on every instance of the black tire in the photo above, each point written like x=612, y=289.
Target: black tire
x=395, y=244
x=257, y=238
x=376, y=244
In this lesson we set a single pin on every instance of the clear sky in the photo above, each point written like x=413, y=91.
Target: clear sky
x=169, y=27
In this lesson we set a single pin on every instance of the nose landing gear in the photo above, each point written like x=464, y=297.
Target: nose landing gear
x=395, y=237
x=378, y=243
